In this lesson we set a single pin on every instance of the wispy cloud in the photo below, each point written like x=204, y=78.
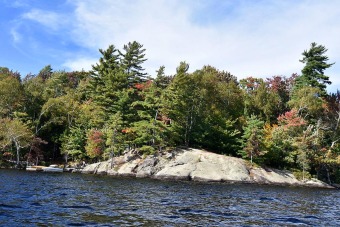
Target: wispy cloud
x=80, y=63
x=246, y=38
x=16, y=36
x=49, y=19
x=260, y=39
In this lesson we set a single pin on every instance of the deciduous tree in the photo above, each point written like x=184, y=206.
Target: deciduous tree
x=13, y=131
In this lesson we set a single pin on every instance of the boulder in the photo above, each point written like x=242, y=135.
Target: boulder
x=91, y=168
x=200, y=165
x=103, y=167
x=196, y=165
x=180, y=167
x=129, y=168
x=214, y=167
x=272, y=176
x=317, y=183
x=146, y=167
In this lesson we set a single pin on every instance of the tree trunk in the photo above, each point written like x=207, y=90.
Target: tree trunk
x=18, y=153
x=328, y=176
x=112, y=155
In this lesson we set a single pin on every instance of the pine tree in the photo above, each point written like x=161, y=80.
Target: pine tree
x=252, y=139
x=131, y=60
x=108, y=80
x=315, y=64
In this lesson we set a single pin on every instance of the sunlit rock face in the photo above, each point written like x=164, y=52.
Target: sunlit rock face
x=195, y=165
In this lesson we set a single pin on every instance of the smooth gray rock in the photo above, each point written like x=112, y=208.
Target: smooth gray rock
x=147, y=167
x=317, y=183
x=272, y=176
x=91, y=168
x=196, y=165
x=129, y=168
x=214, y=167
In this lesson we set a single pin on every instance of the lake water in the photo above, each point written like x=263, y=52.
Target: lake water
x=67, y=199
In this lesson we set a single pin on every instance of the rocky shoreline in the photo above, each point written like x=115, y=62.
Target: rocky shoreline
x=196, y=165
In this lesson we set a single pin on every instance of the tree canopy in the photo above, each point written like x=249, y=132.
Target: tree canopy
x=283, y=122
x=315, y=62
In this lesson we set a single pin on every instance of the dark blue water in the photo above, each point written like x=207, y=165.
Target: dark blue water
x=66, y=199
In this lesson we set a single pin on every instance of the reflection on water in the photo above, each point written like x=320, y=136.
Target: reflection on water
x=45, y=199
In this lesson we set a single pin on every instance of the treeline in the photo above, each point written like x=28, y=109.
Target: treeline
x=282, y=122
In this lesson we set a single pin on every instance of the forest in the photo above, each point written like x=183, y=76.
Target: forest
x=285, y=122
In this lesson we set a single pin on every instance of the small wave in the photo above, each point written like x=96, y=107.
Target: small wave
x=76, y=224
x=289, y=220
x=311, y=217
x=164, y=200
x=266, y=199
x=185, y=210
x=173, y=216
x=3, y=214
x=217, y=213
x=191, y=211
x=78, y=207
x=10, y=206
x=36, y=204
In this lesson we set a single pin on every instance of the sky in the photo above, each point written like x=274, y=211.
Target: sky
x=246, y=37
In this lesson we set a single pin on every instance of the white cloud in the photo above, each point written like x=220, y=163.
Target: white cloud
x=261, y=40
x=80, y=63
x=47, y=18
x=16, y=36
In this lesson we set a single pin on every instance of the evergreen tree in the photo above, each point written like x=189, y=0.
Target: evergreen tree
x=107, y=81
x=252, y=139
x=45, y=72
x=181, y=104
x=131, y=60
x=73, y=143
x=162, y=81
x=114, y=135
x=315, y=62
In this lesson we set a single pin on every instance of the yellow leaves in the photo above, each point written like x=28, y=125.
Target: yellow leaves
x=268, y=129
x=13, y=130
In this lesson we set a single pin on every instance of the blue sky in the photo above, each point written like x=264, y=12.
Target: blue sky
x=247, y=38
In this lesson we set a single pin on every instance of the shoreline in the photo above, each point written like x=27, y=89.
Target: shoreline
x=197, y=165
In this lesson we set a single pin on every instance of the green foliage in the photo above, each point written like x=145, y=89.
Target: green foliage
x=107, y=81
x=315, y=62
x=115, y=142
x=307, y=101
x=132, y=59
x=46, y=72
x=147, y=150
x=73, y=143
x=252, y=138
x=14, y=131
x=301, y=175
x=263, y=99
x=199, y=118
x=11, y=93
x=288, y=123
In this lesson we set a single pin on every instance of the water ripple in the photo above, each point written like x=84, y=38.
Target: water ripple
x=38, y=199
